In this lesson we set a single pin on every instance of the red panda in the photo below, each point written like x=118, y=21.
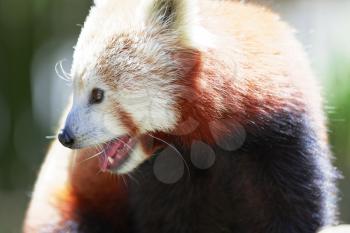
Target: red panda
x=188, y=117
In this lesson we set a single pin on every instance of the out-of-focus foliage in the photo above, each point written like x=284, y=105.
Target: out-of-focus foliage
x=35, y=34
x=26, y=26
x=338, y=90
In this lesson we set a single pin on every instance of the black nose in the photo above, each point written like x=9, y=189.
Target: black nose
x=66, y=138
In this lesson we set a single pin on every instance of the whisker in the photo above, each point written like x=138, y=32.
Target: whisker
x=176, y=150
x=51, y=137
x=125, y=144
x=66, y=74
x=124, y=181
x=62, y=74
x=98, y=148
x=99, y=172
x=133, y=178
x=91, y=157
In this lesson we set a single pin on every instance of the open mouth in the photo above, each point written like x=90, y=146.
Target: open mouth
x=116, y=152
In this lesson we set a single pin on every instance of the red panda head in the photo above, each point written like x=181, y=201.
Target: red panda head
x=129, y=65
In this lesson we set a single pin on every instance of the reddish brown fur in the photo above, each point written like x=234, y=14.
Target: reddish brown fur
x=92, y=191
x=126, y=120
x=258, y=88
x=253, y=84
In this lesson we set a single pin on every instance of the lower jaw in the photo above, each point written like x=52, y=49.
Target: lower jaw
x=115, y=168
x=142, y=147
x=117, y=153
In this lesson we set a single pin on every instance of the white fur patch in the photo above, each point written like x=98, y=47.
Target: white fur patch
x=150, y=106
x=136, y=157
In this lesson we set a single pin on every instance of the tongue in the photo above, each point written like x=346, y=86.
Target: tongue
x=112, y=149
x=116, y=150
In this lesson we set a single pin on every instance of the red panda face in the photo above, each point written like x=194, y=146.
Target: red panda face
x=130, y=91
x=126, y=82
x=126, y=72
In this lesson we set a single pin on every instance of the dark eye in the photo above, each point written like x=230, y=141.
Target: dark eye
x=97, y=96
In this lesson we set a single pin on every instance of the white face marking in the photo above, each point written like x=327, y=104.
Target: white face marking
x=137, y=156
x=92, y=124
x=150, y=105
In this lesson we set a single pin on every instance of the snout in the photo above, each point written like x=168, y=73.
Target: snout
x=66, y=138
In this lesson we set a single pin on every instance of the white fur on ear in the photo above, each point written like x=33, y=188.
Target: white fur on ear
x=101, y=2
x=174, y=14
x=182, y=17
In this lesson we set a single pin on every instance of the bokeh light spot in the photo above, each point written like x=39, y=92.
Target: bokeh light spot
x=202, y=155
x=169, y=166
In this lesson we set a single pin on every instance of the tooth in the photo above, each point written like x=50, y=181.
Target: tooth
x=110, y=160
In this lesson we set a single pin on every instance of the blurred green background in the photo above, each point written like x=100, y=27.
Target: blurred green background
x=36, y=34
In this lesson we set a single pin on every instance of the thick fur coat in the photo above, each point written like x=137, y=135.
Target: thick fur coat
x=176, y=74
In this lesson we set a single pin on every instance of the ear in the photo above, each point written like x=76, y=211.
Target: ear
x=100, y=2
x=177, y=15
